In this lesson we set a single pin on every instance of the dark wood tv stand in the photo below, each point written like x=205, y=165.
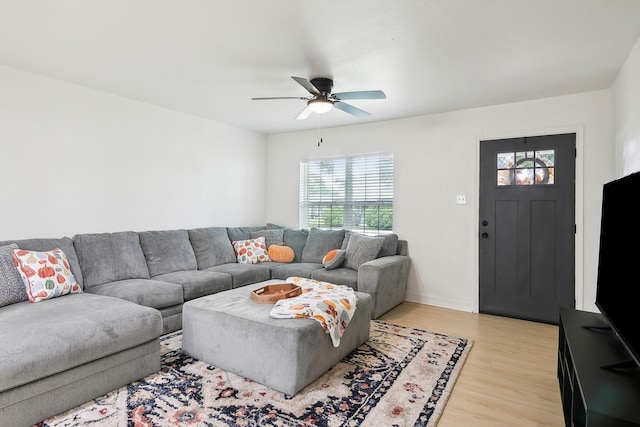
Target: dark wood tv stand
x=593, y=396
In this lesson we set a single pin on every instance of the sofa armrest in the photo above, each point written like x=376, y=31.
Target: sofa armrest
x=385, y=279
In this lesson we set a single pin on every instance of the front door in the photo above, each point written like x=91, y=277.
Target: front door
x=527, y=226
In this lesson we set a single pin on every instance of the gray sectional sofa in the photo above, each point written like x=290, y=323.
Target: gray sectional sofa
x=59, y=353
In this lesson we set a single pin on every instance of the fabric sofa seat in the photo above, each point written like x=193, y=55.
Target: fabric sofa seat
x=77, y=346
x=170, y=257
x=115, y=265
x=68, y=331
x=298, y=269
x=243, y=274
x=339, y=276
x=197, y=283
x=147, y=292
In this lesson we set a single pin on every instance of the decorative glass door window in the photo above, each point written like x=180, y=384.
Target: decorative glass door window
x=526, y=167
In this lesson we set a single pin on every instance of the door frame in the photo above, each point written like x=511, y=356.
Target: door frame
x=579, y=203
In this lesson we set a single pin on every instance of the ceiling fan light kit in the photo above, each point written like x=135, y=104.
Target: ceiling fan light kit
x=322, y=100
x=320, y=105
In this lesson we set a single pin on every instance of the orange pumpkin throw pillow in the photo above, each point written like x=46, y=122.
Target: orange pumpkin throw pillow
x=333, y=259
x=279, y=253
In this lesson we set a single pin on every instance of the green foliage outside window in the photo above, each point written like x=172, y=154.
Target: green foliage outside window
x=380, y=218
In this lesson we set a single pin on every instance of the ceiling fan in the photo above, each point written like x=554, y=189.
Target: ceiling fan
x=322, y=100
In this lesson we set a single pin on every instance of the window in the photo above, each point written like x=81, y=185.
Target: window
x=526, y=168
x=354, y=192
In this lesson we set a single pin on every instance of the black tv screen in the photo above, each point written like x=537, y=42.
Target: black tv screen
x=619, y=261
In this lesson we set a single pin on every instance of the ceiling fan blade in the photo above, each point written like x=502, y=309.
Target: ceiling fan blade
x=280, y=97
x=307, y=85
x=351, y=109
x=304, y=114
x=363, y=94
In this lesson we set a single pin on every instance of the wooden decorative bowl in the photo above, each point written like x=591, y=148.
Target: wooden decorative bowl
x=269, y=294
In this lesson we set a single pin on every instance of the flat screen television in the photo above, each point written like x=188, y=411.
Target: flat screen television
x=619, y=263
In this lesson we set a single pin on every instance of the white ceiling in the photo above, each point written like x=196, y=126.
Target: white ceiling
x=210, y=57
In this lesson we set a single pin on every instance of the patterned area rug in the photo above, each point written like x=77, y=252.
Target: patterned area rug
x=399, y=377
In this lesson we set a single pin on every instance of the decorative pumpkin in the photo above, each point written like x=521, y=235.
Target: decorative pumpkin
x=28, y=271
x=46, y=271
x=279, y=253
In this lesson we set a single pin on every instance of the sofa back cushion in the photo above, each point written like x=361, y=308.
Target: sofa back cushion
x=320, y=242
x=46, y=244
x=271, y=237
x=167, y=251
x=295, y=239
x=109, y=257
x=211, y=247
x=403, y=248
x=242, y=233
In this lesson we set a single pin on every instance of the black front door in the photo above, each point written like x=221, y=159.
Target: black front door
x=527, y=226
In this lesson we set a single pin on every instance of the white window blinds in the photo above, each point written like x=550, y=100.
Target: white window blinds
x=354, y=192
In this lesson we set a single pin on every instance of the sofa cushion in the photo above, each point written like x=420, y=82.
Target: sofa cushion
x=339, y=276
x=297, y=269
x=389, y=246
x=242, y=233
x=361, y=249
x=63, y=243
x=148, y=292
x=198, y=283
x=211, y=246
x=39, y=340
x=45, y=275
x=244, y=274
x=12, y=289
x=271, y=237
x=320, y=242
x=403, y=248
x=251, y=251
x=296, y=239
x=109, y=257
x=167, y=251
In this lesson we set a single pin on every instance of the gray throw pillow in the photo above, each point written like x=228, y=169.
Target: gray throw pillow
x=320, y=242
x=361, y=249
x=271, y=237
x=12, y=288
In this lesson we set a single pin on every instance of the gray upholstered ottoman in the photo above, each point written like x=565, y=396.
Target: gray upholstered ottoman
x=230, y=331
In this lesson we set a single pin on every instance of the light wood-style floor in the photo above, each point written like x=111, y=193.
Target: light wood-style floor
x=509, y=378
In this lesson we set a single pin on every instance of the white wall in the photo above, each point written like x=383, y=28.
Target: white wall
x=75, y=160
x=626, y=109
x=436, y=158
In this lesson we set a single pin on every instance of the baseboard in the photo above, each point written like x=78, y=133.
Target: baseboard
x=440, y=302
